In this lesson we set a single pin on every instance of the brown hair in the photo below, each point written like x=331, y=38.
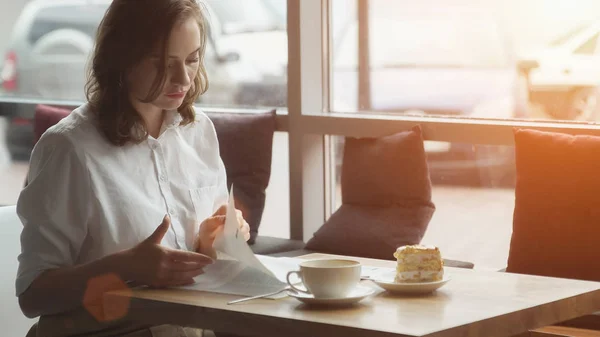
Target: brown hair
x=129, y=32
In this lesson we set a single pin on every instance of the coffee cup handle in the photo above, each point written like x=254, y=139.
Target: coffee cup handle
x=287, y=278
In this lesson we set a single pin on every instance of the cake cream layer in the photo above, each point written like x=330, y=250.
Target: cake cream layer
x=418, y=263
x=419, y=276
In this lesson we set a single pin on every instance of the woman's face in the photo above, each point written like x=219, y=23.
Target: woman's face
x=183, y=62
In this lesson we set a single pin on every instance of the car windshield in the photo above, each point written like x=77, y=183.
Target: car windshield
x=569, y=35
x=246, y=16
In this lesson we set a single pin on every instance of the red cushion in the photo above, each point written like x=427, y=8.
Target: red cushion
x=386, y=198
x=45, y=117
x=556, y=227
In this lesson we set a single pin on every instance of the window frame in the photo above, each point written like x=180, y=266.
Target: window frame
x=307, y=212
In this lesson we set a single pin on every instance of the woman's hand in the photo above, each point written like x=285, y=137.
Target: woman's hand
x=212, y=226
x=244, y=228
x=151, y=264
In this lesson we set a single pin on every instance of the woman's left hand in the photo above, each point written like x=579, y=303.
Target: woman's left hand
x=244, y=228
x=211, y=227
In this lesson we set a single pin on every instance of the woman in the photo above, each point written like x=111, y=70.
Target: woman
x=129, y=187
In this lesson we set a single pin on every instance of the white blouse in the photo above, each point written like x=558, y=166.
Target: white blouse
x=87, y=198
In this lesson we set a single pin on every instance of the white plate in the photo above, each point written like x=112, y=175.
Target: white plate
x=411, y=288
x=358, y=294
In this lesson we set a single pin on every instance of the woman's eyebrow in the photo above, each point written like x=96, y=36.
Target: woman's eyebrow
x=194, y=52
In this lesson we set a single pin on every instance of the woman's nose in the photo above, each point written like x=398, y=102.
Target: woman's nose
x=180, y=76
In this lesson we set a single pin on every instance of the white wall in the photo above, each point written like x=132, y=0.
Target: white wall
x=12, y=321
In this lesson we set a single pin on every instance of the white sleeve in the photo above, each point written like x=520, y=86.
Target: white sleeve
x=54, y=209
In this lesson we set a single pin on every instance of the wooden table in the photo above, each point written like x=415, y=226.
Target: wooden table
x=473, y=303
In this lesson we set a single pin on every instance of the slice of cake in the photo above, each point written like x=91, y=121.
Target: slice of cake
x=418, y=263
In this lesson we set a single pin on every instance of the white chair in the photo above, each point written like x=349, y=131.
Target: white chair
x=12, y=320
x=4, y=154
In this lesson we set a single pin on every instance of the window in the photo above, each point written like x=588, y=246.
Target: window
x=467, y=71
x=45, y=48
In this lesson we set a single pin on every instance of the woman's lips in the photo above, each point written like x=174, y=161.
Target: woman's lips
x=176, y=95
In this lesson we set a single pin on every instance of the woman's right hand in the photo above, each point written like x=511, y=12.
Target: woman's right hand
x=151, y=264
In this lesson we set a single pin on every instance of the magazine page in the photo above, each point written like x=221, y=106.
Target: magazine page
x=238, y=271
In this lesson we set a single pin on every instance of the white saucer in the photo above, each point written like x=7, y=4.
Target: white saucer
x=356, y=295
x=410, y=288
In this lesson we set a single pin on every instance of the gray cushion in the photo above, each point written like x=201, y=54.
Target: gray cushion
x=246, y=145
x=386, y=198
x=371, y=231
x=386, y=171
x=266, y=245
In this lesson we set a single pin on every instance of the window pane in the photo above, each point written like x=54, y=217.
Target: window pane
x=473, y=192
x=497, y=59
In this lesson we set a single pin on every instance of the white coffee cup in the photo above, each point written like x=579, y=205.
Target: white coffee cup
x=327, y=278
